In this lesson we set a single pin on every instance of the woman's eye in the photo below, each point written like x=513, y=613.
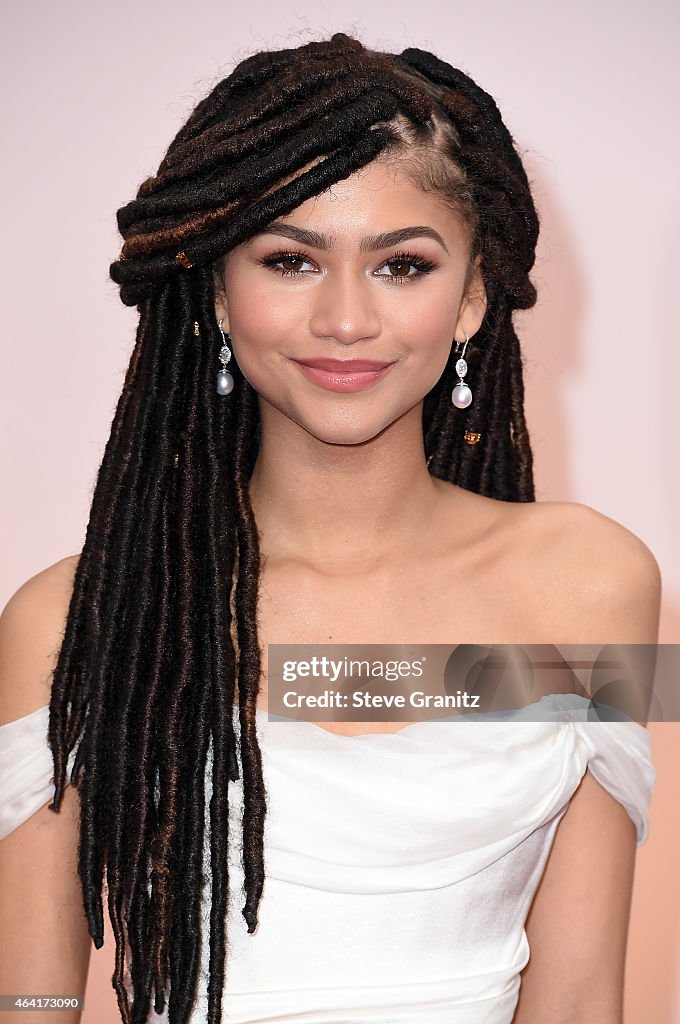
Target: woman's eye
x=400, y=267
x=290, y=262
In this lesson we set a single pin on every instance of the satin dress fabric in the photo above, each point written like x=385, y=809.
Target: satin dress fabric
x=400, y=867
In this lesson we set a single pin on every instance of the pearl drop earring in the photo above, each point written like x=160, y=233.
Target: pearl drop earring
x=225, y=381
x=461, y=396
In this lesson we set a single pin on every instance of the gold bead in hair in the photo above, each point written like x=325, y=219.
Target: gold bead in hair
x=182, y=258
x=175, y=460
x=196, y=329
x=471, y=437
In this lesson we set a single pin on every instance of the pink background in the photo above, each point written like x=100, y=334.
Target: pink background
x=93, y=95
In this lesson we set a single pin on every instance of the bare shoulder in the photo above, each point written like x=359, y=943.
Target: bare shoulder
x=31, y=631
x=594, y=571
x=577, y=532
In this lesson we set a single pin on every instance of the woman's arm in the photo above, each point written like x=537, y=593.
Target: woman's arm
x=43, y=929
x=577, y=926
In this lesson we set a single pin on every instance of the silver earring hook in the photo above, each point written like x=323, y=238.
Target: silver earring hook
x=459, y=343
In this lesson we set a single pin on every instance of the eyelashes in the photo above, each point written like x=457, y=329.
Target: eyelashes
x=422, y=266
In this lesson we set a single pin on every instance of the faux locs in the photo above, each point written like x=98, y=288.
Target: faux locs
x=161, y=636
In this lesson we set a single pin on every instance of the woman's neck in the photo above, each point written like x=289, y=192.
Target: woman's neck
x=343, y=505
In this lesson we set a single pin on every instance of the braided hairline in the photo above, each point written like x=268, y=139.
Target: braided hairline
x=248, y=138
x=368, y=75
x=347, y=126
x=289, y=91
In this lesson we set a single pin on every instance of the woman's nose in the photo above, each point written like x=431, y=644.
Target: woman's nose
x=345, y=308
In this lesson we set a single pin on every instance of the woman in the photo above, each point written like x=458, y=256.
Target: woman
x=299, y=455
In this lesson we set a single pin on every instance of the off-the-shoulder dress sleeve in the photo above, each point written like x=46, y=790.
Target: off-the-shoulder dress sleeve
x=618, y=753
x=26, y=769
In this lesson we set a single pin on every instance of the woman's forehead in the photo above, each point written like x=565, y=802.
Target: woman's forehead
x=372, y=202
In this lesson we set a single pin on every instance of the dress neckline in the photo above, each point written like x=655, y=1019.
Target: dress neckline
x=263, y=716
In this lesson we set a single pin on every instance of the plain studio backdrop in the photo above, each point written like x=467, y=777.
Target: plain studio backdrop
x=94, y=93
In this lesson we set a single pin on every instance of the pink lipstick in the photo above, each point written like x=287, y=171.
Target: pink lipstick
x=348, y=375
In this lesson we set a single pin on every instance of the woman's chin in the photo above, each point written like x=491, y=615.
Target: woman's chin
x=333, y=425
x=344, y=438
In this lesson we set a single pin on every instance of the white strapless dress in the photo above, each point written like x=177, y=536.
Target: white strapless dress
x=400, y=867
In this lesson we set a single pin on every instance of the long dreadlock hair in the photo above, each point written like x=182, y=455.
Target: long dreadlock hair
x=161, y=627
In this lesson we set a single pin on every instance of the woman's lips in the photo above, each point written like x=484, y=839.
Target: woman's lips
x=343, y=379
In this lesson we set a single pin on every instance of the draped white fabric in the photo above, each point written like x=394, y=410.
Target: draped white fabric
x=26, y=769
x=399, y=867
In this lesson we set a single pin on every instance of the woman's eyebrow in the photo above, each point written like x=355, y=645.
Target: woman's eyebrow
x=370, y=243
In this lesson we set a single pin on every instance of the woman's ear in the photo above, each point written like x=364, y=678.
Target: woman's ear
x=473, y=306
x=221, y=308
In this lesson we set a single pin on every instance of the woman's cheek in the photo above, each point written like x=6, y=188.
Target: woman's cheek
x=434, y=355
x=261, y=321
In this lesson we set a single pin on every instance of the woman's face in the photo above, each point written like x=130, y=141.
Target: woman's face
x=325, y=282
